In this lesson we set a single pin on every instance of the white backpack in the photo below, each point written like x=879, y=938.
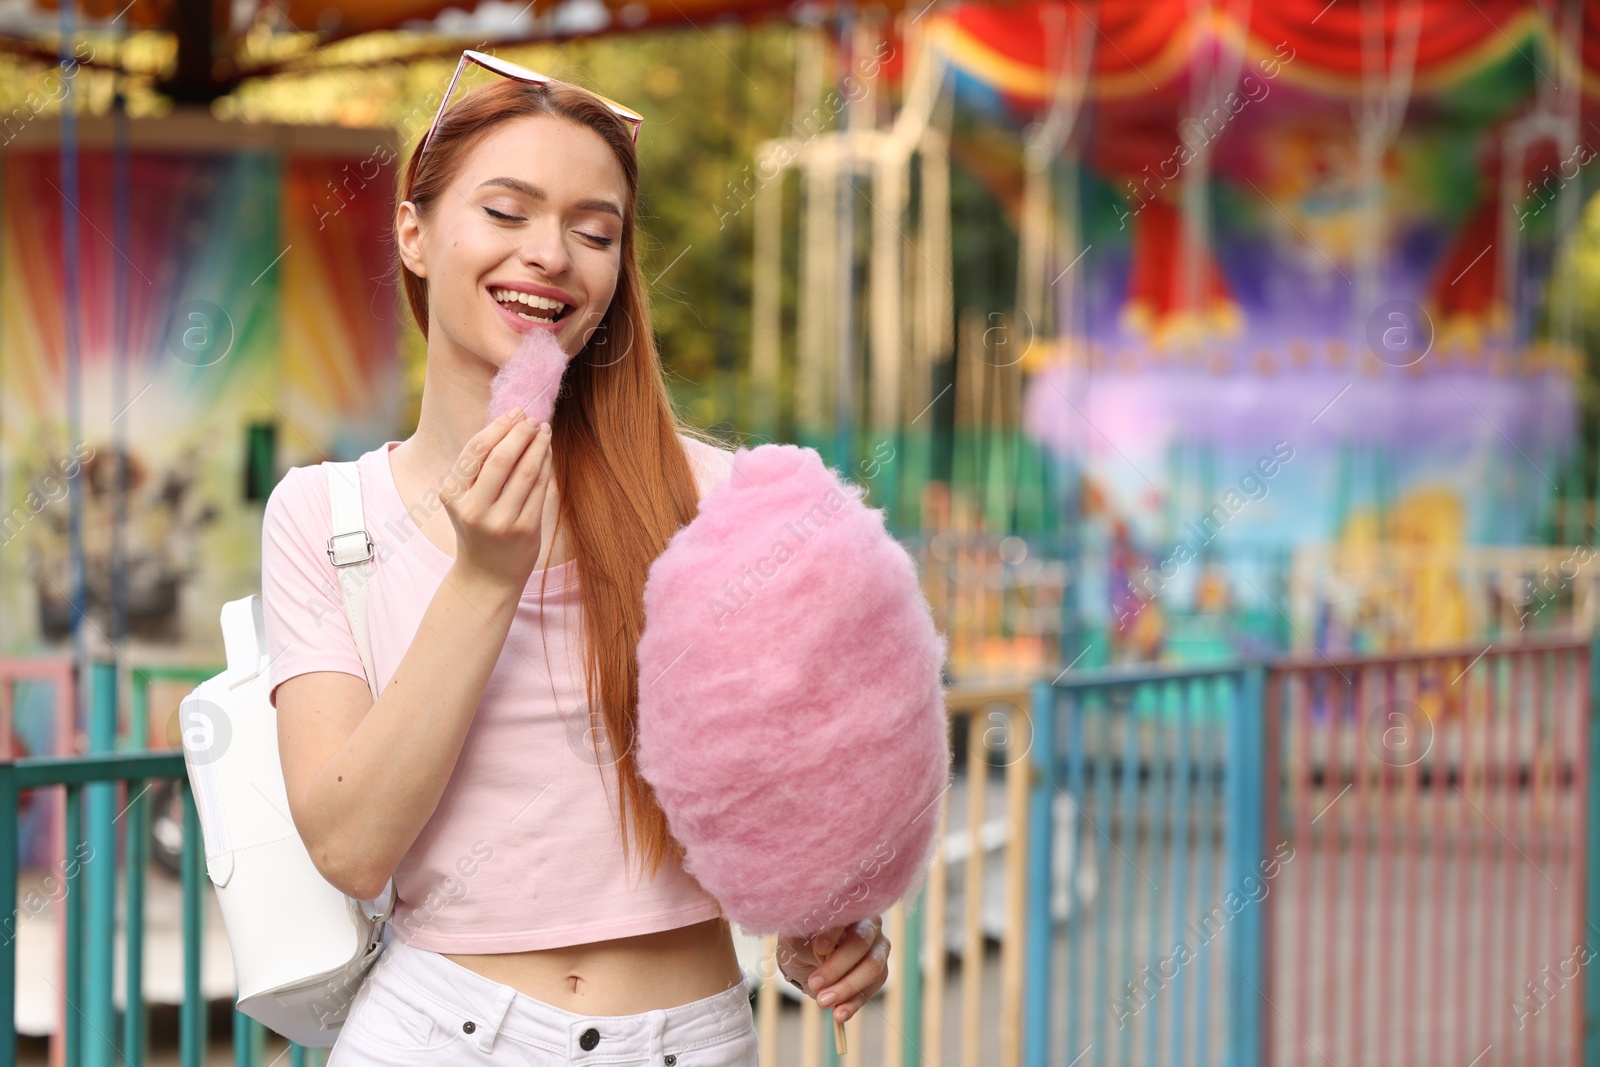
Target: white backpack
x=301, y=948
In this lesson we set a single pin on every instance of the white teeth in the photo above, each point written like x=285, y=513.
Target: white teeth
x=512, y=296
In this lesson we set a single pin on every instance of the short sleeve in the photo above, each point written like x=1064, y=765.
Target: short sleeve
x=306, y=625
x=712, y=466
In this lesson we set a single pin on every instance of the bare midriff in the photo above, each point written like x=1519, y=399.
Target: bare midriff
x=622, y=976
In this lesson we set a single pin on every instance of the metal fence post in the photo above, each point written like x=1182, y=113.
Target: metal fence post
x=192, y=1015
x=9, y=861
x=1243, y=854
x=136, y=834
x=1272, y=839
x=100, y=879
x=1591, y=987
x=1041, y=935
x=914, y=910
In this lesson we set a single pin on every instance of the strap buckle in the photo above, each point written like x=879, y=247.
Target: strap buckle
x=335, y=552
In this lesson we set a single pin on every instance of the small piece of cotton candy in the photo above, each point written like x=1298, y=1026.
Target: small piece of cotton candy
x=531, y=378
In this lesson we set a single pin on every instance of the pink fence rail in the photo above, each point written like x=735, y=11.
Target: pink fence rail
x=1435, y=909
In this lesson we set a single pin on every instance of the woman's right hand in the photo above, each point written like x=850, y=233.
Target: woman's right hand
x=496, y=500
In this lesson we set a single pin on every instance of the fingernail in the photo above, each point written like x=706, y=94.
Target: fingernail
x=815, y=981
x=515, y=413
x=827, y=998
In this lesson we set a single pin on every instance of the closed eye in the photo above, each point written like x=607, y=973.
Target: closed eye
x=601, y=239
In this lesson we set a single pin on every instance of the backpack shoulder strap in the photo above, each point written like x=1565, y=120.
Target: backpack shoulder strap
x=348, y=545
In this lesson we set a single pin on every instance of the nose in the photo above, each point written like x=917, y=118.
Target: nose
x=543, y=245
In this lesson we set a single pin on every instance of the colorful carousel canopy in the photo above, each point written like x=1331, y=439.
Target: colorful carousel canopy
x=1163, y=78
x=1146, y=50
x=1255, y=199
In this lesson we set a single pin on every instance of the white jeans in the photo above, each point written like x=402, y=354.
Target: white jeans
x=419, y=1007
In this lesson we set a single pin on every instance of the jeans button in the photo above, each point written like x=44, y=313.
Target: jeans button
x=469, y=1026
x=671, y=1059
x=589, y=1039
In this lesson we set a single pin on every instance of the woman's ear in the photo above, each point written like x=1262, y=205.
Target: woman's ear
x=408, y=235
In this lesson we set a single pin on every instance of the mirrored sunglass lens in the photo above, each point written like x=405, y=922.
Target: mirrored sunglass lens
x=627, y=113
x=512, y=70
x=506, y=67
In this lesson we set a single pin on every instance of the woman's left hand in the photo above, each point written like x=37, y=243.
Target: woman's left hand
x=842, y=967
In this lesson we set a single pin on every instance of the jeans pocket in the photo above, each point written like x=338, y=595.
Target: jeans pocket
x=394, y=1019
x=737, y=1049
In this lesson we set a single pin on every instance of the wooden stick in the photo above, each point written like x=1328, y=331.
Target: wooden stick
x=838, y=1026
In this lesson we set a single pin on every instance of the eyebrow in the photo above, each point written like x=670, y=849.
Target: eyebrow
x=533, y=192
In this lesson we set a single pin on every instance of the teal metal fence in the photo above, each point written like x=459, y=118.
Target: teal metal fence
x=91, y=1035
x=1316, y=861
x=1330, y=861
x=1147, y=761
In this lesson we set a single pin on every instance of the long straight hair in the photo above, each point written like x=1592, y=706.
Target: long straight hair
x=623, y=478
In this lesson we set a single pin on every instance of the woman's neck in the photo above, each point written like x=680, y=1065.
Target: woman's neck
x=455, y=402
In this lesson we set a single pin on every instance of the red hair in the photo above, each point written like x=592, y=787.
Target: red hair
x=621, y=473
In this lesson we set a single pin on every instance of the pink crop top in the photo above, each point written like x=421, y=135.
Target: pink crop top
x=523, y=851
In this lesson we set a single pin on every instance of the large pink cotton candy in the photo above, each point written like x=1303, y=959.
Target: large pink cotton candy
x=791, y=711
x=531, y=378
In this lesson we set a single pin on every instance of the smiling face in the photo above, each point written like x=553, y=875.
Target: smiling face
x=527, y=237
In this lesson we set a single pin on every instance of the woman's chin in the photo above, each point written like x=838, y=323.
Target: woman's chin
x=504, y=351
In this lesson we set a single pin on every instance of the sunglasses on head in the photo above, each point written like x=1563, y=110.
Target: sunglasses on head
x=511, y=70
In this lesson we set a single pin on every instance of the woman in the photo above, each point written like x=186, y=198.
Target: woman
x=542, y=911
